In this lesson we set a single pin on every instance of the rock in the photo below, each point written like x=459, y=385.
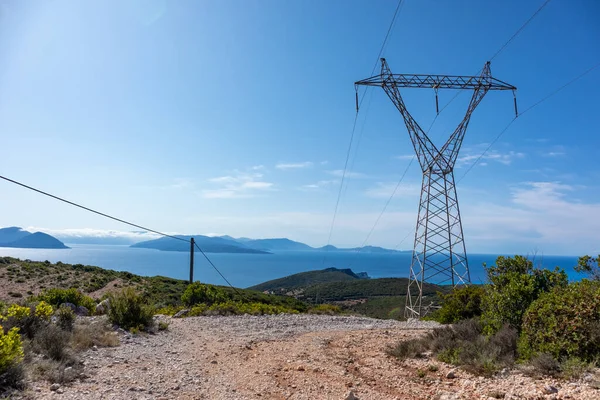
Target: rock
x=59, y=391
x=300, y=368
x=451, y=374
x=446, y=396
x=82, y=311
x=103, y=307
x=549, y=389
x=351, y=396
x=54, y=387
x=182, y=313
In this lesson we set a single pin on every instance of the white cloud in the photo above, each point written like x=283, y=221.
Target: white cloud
x=405, y=157
x=237, y=185
x=503, y=158
x=322, y=184
x=75, y=235
x=540, y=215
x=554, y=154
x=385, y=190
x=257, y=185
x=349, y=174
x=300, y=165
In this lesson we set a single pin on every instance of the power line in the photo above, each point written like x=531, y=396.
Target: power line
x=523, y=112
x=381, y=50
x=520, y=29
x=216, y=269
x=91, y=210
x=120, y=220
x=500, y=50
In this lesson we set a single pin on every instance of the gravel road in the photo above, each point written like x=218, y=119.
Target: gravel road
x=284, y=357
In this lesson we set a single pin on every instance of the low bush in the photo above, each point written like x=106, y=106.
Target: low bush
x=11, y=349
x=545, y=364
x=325, y=309
x=53, y=342
x=87, y=335
x=65, y=318
x=564, y=323
x=56, y=297
x=197, y=293
x=461, y=304
x=464, y=345
x=128, y=310
x=238, y=308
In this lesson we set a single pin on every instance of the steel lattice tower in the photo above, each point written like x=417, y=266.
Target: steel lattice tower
x=439, y=253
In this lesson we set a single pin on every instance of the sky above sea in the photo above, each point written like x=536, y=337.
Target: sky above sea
x=234, y=117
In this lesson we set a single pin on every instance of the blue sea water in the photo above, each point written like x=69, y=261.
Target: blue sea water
x=244, y=270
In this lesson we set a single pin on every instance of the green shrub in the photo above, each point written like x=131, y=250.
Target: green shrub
x=65, y=318
x=127, y=310
x=589, y=265
x=197, y=293
x=513, y=285
x=163, y=326
x=55, y=297
x=464, y=345
x=325, y=309
x=564, y=323
x=462, y=303
x=11, y=349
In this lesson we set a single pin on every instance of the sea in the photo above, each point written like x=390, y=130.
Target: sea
x=245, y=270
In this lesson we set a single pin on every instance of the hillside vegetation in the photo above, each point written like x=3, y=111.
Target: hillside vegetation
x=25, y=278
x=304, y=280
x=378, y=298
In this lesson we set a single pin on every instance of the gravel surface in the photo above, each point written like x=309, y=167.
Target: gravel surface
x=286, y=357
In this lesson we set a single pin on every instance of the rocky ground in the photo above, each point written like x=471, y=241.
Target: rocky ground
x=287, y=357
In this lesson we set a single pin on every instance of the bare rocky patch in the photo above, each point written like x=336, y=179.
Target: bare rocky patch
x=287, y=357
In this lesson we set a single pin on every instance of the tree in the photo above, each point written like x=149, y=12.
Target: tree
x=589, y=265
x=514, y=284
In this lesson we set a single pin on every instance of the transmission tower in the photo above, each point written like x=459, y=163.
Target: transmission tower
x=439, y=253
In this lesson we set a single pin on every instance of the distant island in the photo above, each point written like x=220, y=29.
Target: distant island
x=19, y=238
x=228, y=244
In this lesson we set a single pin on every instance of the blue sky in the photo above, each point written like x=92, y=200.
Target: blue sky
x=233, y=117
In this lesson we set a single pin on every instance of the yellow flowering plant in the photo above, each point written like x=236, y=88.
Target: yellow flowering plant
x=11, y=348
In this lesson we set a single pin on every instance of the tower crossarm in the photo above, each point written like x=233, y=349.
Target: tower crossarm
x=436, y=82
x=428, y=154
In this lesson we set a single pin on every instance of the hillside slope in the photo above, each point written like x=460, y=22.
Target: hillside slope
x=303, y=280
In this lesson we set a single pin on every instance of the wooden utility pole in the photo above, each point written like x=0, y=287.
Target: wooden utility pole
x=192, y=245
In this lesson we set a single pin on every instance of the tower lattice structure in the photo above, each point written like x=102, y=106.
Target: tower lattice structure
x=439, y=252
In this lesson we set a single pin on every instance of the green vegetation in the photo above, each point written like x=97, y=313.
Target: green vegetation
x=11, y=348
x=589, y=265
x=523, y=313
x=129, y=310
x=464, y=345
x=564, y=323
x=462, y=303
x=513, y=285
x=200, y=293
x=56, y=297
x=29, y=330
x=303, y=280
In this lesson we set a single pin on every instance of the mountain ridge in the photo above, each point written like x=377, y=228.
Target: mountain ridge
x=229, y=244
x=16, y=237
